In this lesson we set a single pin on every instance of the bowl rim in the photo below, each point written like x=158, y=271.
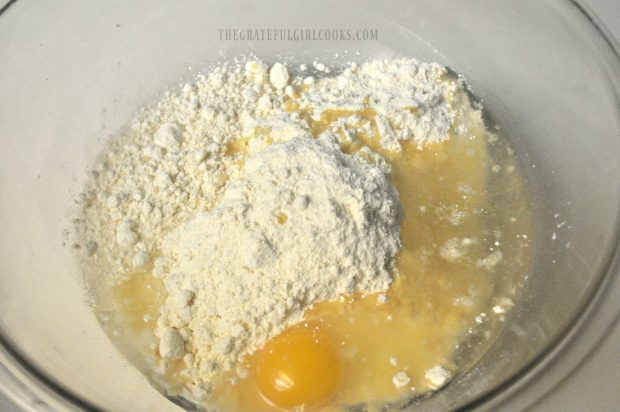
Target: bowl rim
x=19, y=364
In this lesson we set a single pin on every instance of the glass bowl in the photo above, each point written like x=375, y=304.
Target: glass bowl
x=72, y=73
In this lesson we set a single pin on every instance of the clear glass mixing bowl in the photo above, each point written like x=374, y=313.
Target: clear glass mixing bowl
x=73, y=72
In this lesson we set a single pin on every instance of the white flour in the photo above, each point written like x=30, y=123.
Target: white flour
x=243, y=250
x=411, y=99
x=278, y=242
x=167, y=167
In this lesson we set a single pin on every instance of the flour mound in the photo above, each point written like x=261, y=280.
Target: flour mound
x=220, y=190
x=304, y=223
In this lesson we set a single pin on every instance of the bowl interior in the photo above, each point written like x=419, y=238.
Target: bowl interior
x=72, y=74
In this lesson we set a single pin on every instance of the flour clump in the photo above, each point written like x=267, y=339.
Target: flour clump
x=304, y=223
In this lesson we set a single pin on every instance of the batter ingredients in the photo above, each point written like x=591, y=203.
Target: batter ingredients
x=265, y=239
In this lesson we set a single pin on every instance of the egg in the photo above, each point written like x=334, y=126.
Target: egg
x=299, y=367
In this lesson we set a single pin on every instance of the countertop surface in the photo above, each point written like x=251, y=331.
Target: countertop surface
x=594, y=384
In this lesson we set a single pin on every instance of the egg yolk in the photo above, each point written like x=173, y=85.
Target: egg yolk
x=298, y=367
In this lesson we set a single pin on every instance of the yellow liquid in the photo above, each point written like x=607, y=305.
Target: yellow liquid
x=448, y=191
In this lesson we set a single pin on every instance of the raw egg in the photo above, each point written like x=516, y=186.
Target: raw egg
x=299, y=367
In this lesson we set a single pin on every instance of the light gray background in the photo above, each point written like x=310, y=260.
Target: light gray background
x=595, y=384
